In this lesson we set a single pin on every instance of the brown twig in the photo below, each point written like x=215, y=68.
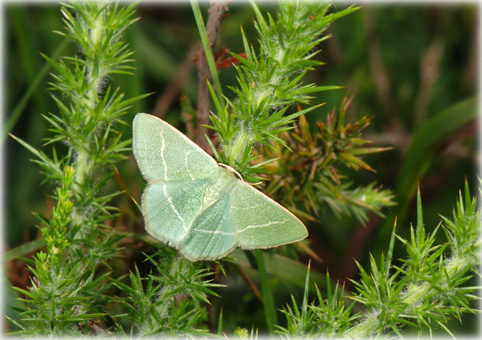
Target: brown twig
x=216, y=13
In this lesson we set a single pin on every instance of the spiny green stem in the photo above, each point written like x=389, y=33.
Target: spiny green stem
x=236, y=149
x=415, y=294
x=176, y=268
x=82, y=169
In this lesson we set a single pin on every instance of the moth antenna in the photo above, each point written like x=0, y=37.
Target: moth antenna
x=230, y=168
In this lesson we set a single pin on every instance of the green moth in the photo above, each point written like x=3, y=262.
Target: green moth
x=199, y=207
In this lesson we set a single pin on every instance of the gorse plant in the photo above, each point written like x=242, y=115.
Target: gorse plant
x=169, y=301
x=307, y=177
x=269, y=81
x=77, y=287
x=423, y=293
x=71, y=276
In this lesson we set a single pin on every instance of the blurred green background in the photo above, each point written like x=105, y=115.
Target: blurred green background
x=414, y=67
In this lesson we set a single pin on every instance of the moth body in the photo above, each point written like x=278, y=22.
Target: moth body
x=221, y=184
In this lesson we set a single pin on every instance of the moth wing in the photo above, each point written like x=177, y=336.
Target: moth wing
x=170, y=209
x=165, y=154
x=261, y=222
x=212, y=235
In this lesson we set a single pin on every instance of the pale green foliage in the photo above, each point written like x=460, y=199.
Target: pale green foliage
x=54, y=292
x=424, y=293
x=68, y=291
x=168, y=302
x=327, y=318
x=270, y=80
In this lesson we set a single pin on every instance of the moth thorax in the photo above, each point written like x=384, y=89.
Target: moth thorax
x=221, y=185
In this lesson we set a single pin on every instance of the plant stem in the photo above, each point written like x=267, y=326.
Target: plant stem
x=205, y=70
x=243, y=139
x=412, y=297
x=266, y=293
